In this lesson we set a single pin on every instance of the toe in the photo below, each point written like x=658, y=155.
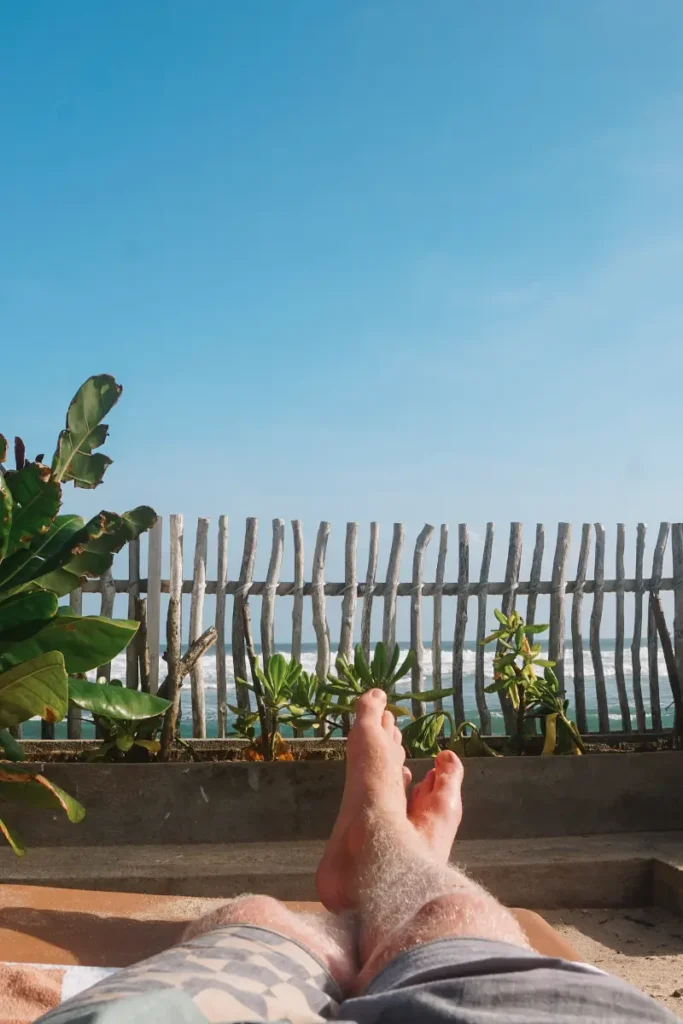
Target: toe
x=388, y=722
x=370, y=707
x=407, y=777
x=448, y=768
x=398, y=738
x=425, y=787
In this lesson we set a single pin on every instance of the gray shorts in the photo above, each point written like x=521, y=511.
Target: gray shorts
x=241, y=974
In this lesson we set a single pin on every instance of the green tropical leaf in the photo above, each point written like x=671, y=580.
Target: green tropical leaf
x=36, y=501
x=6, y=504
x=36, y=687
x=396, y=654
x=500, y=684
x=73, y=459
x=115, y=702
x=544, y=664
x=362, y=668
x=124, y=742
x=277, y=670
x=379, y=664
x=12, y=749
x=153, y=746
x=13, y=838
x=421, y=737
x=405, y=667
x=534, y=628
x=503, y=619
x=3, y=448
x=427, y=695
x=21, y=784
x=24, y=614
x=86, y=641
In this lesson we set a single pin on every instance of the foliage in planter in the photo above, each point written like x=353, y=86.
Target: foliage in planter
x=382, y=672
x=287, y=695
x=421, y=738
x=122, y=717
x=532, y=696
x=44, y=556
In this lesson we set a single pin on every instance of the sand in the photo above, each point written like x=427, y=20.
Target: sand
x=644, y=946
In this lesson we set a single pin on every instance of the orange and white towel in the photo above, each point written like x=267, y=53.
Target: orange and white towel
x=27, y=991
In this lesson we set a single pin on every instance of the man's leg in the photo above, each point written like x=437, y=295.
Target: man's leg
x=250, y=960
x=435, y=946
x=389, y=858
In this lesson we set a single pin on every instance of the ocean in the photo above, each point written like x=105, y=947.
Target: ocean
x=308, y=658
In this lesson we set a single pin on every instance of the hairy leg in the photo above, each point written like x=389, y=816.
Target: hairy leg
x=407, y=897
x=388, y=856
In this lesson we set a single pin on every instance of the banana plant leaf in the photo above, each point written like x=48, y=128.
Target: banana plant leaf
x=74, y=459
x=24, y=614
x=36, y=501
x=13, y=838
x=18, y=783
x=6, y=504
x=36, y=687
x=12, y=750
x=85, y=641
x=115, y=702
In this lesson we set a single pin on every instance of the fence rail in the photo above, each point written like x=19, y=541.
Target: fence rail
x=360, y=591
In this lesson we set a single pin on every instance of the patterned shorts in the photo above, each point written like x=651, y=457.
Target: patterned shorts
x=238, y=973
x=242, y=974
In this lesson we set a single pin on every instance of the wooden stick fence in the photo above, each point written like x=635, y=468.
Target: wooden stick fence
x=363, y=591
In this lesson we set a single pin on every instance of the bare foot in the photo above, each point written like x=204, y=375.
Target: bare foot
x=374, y=792
x=435, y=805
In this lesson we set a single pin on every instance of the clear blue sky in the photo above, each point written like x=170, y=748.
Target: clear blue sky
x=352, y=259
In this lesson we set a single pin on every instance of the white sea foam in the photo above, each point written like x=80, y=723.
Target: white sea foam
x=308, y=659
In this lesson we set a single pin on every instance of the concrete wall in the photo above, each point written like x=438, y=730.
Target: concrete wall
x=511, y=798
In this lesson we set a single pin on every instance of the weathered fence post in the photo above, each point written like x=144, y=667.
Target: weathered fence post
x=391, y=588
x=535, y=574
x=514, y=561
x=369, y=590
x=73, y=720
x=132, y=675
x=298, y=603
x=577, y=634
x=438, y=612
x=479, y=674
x=596, y=619
x=641, y=723
x=197, y=628
x=558, y=586
x=239, y=654
x=320, y=626
x=154, y=602
x=350, y=598
x=173, y=633
x=461, y=621
x=269, y=589
x=417, y=671
x=221, y=584
x=655, y=582
x=619, y=639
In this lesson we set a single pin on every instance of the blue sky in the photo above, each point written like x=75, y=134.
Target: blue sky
x=353, y=259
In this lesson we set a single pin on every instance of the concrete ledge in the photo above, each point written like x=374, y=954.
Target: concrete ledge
x=219, y=803
x=590, y=871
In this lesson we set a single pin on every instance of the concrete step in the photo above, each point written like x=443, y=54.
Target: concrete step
x=624, y=869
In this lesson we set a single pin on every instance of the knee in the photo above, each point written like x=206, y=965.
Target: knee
x=463, y=909
x=248, y=909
